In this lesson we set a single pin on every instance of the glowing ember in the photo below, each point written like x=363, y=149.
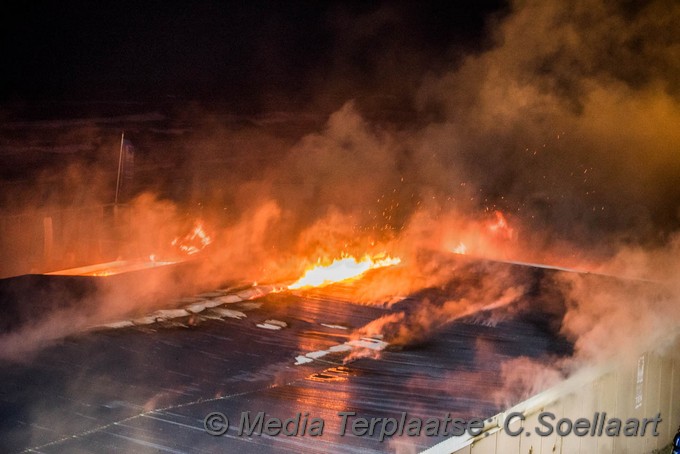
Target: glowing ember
x=342, y=270
x=460, y=249
x=193, y=242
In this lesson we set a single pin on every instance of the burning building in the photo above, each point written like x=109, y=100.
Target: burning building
x=336, y=216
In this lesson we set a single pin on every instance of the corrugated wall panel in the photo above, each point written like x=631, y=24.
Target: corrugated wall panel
x=486, y=445
x=552, y=444
x=506, y=443
x=606, y=403
x=675, y=390
x=642, y=388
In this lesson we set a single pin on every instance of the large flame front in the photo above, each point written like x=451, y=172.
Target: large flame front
x=341, y=270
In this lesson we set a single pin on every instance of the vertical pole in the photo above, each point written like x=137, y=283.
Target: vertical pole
x=48, y=241
x=120, y=168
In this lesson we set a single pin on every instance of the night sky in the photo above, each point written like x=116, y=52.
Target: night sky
x=249, y=54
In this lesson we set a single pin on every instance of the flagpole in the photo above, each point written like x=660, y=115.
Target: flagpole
x=120, y=167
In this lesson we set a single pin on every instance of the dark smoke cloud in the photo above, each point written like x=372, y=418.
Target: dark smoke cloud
x=568, y=120
x=567, y=124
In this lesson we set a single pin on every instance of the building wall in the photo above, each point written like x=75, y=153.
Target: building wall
x=638, y=389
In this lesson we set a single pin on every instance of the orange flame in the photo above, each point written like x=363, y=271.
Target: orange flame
x=341, y=270
x=501, y=228
x=193, y=242
x=460, y=249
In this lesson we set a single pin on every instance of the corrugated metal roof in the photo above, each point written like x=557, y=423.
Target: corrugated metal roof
x=147, y=388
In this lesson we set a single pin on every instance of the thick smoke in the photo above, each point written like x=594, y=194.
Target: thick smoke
x=568, y=121
x=566, y=125
x=476, y=288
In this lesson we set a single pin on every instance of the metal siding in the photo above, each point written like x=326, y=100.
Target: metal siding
x=572, y=410
x=552, y=444
x=652, y=404
x=508, y=444
x=589, y=406
x=487, y=445
x=612, y=392
x=530, y=443
x=606, y=403
x=675, y=388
